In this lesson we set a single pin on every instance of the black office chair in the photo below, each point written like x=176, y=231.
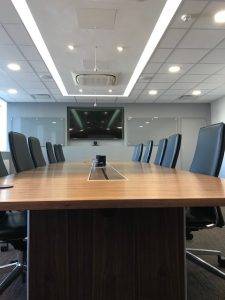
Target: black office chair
x=36, y=152
x=20, y=152
x=207, y=160
x=61, y=153
x=13, y=230
x=57, y=153
x=50, y=153
x=137, y=154
x=148, y=152
x=160, y=152
x=172, y=151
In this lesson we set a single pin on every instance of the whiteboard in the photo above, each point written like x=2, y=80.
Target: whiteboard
x=141, y=130
x=45, y=129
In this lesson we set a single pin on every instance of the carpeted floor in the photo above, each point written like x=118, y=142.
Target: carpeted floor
x=201, y=284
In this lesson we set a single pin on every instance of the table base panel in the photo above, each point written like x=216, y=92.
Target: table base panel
x=111, y=254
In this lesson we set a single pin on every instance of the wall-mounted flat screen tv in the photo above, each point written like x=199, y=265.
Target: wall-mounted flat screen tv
x=95, y=123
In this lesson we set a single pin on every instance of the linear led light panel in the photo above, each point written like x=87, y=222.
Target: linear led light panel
x=165, y=17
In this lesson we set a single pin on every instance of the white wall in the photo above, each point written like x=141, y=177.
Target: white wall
x=218, y=115
x=3, y=125
x=115, y=150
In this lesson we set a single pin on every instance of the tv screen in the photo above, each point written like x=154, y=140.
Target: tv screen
x=95, y=123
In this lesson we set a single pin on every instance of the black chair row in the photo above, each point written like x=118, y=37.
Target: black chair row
x=56, y=154
x=167, y=153
x=13, y=224
x=207, y=160
x=32, y=153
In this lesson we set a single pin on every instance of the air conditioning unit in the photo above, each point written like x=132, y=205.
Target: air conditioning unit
x=186, y=97
x=94, y=79
x=41, y=96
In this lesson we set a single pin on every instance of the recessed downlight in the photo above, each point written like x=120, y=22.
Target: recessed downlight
x=196, y=93
x=110, y=91
x=219, y=17
x=80, y=91
x=153, y=92
x=13, y=67
x=174, y=69
x=12, y=91
x=141, y=126
x=71, y=47
x=120, y=48
x=186, y=18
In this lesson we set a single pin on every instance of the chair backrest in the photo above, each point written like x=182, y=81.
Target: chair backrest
x=160, y=152
x=50, y=153
x=57, y=153
x=61, y=153
x=20, y=152
x=207, y=160
x=3, y=170
x=209, y=151
x=137, y=154
x=36, y=152
x=148, y=152
x=172, y=151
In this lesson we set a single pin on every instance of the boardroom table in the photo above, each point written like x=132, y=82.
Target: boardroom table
x=116, y=233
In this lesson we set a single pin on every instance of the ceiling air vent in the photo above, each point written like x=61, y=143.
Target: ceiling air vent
x=185, y=97
x=94, y=79
x=41, y=96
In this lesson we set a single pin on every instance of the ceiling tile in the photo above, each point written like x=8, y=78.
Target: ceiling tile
x=19, y=34
x=152, y=68
x=159, y=85
x=166, y=99
x=165, y=77
x=4, y=38
x=171, y=38
x=217, y=79
x=200, y=39
x=177, y=93
x=222, y=71
x=57, y=93
x=192, y=78
x=39, y=66
x=182, y=85
x=160, y=55
x=207, y=86
x=140, y=86
x=30, y=52
x=215, y=56
x=33, y=85
x=205, y=69
x=207, y=99
x=10, y=52
x=188, y=56
x=20, y=77
x=221, y=45
x=40, y=90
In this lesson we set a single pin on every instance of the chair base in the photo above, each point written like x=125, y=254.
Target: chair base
x=18, y=269
x=191, y=256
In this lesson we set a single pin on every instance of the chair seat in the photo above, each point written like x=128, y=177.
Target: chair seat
x=198, y=217
x=13, y=226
